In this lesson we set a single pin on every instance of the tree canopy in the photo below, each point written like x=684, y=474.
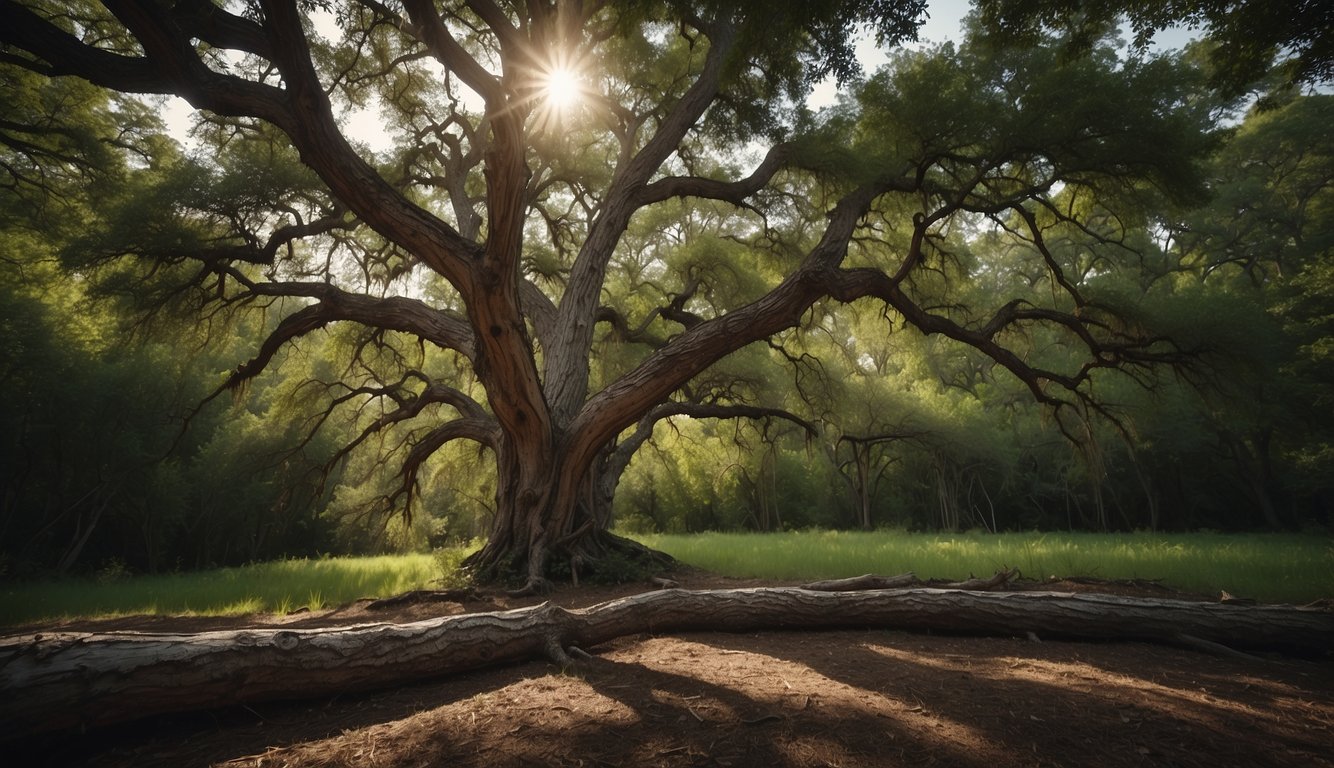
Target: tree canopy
x=1245, y=37
x=594, y=217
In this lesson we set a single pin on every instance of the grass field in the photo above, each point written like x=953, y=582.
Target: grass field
x=1270, y=567
x=276, y=587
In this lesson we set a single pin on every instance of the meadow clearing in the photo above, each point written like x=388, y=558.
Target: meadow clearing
x=1267, y=567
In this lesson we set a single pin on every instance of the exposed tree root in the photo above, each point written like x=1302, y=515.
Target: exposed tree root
x=596, y=556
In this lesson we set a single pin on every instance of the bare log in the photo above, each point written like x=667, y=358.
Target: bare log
x=78, y=680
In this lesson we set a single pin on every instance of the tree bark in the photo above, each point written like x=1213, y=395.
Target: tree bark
x=560, y=531
x=61, y=681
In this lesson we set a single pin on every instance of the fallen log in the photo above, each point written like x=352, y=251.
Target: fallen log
x=60, y=681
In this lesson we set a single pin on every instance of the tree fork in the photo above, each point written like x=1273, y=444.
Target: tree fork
x=69, y=680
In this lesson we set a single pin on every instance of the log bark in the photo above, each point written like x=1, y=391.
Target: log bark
x=57, y=681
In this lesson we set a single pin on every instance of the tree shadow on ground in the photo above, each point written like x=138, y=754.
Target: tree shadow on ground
x=226, y=733
x=779, y=699
x=1115, y=703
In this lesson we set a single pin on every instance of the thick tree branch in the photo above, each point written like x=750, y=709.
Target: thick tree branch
x=637, y=335
x=735, y=192
x=625, y=450
x=538, y=308
x=409, y=407
x=250, y=253
x=479, y=430
x=880, y=437
x=432, y=32
x=324, y=148
x=393, y=313
x=730, y=411
x=666, y=370
x=172, y=65
x=63, y=55
x=211, y=24
x=852, y=284
x=567, y=366
x=673, y=311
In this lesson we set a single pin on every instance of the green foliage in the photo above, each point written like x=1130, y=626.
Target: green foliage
x=1235, y=440
x=278, y=587
x=449, y=562
x=1080, y=182
x=1287, y=568
x=1246, y=36
x=782, y=49
x=102, y=471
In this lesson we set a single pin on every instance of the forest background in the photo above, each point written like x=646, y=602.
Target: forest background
x=118, y=453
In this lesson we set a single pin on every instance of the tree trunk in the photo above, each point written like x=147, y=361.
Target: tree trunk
x=561, y=533
x=862, y=455
x=74, y=680
x=517, y=545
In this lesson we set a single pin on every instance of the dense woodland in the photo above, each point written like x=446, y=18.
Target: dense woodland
x=1116, y=311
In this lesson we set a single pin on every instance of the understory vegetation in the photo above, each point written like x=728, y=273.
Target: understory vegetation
x=1272, y=567
x=1269, y=567
x=280, y=586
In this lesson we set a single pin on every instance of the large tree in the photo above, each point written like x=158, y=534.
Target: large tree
x=503, y=229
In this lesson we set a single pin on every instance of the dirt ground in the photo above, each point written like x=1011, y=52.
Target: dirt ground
x=773, y=699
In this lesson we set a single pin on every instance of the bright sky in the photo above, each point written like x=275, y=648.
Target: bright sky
x=944, y=23
x=945, y=19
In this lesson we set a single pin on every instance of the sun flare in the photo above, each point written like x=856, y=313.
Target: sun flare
x=561, y=88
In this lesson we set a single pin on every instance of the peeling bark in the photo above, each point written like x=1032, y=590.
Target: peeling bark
x=61, y=681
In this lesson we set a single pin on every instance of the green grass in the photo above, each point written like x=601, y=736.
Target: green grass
x=1270, y=567
x=277, y=587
